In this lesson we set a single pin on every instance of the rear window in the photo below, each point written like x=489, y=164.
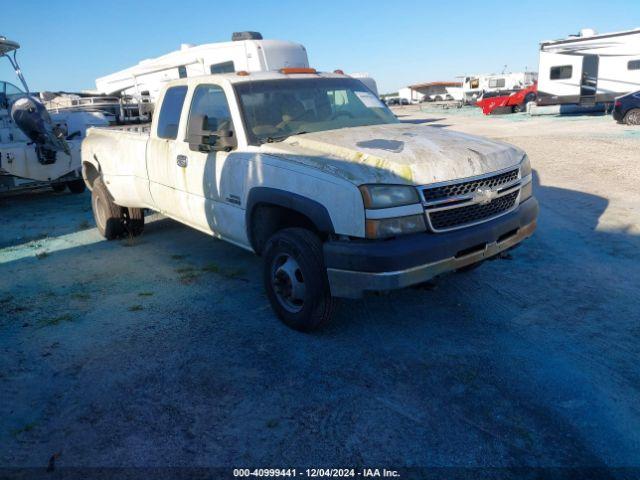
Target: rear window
x=634, y=65
x=169, y=118
x=561, y=73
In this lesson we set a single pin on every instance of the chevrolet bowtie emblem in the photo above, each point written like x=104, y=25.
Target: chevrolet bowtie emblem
x=484, y=195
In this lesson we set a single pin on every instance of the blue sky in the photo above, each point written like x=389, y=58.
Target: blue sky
x=66, y=45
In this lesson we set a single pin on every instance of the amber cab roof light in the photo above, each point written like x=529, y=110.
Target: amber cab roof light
x=294, y=70
x=242, y=73
x=338, y=72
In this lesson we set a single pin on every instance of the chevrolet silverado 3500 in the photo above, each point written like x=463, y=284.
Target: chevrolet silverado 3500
x=312, y=172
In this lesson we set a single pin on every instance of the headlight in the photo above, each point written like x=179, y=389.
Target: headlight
x=390, y=227
x=525, y=166
x=525, y=171
x=386, y=196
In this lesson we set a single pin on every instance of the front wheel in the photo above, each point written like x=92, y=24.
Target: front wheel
x=295, y=279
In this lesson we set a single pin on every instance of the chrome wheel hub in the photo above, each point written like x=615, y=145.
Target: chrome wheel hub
x=288, y=282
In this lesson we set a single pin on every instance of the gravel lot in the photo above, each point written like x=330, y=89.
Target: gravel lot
x=163, y=351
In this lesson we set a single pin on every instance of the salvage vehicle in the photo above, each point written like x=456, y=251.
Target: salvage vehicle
x=34, y=151
x=626, y=109
x=315, y=174
x=507, y=102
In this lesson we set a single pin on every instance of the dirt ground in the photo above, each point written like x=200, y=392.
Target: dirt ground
x=163, y=351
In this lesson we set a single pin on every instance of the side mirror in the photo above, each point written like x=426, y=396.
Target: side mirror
x=203, y=138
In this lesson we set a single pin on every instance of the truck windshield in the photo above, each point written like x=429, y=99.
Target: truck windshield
x=276, y=109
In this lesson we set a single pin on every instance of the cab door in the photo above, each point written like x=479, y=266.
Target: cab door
x=212, y=181
x=162, y=153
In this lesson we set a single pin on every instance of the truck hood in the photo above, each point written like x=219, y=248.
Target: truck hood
x=397, y=153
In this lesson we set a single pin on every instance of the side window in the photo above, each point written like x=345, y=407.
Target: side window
x=182, y=71
x=210, y=101
x=224, y=67
x=633, y=65
x=496, y=83
x=169, y=118
x=561, y=73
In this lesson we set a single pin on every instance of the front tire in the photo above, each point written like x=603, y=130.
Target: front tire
x=109, y=217
x=295, y=279
x=632, y=117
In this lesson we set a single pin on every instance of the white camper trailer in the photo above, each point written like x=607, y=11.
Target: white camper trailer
x=589, y=68
x=247, y=51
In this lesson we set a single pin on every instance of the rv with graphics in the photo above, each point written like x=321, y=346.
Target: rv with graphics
x=589, y=68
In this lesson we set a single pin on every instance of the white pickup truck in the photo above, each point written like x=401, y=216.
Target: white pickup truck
x=312, y=172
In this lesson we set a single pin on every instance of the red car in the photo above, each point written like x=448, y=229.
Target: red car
x=511, y=102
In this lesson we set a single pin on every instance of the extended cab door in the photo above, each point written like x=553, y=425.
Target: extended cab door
x=212, y=182
x=162, y=153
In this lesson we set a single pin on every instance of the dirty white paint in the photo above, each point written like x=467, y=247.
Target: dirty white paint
x=398, y=154
x=211, y=192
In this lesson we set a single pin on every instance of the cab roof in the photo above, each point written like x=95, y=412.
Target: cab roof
x=244, y=77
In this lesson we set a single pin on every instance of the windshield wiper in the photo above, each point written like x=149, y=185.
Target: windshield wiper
x=281, y=137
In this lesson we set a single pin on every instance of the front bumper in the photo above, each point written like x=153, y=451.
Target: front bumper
x=358, y=266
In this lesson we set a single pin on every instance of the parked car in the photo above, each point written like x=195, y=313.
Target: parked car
x=404, y=101
x=627, y=109
x=312, y=172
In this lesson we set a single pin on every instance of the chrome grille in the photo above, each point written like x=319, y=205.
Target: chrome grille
x=444, y=192
x=453, y=205
x=456, y=217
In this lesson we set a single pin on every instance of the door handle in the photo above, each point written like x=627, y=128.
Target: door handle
x=182, y=160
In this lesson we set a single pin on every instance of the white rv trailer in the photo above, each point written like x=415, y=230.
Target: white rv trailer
x=247, y=51
x=589, y=68
x=473, y=86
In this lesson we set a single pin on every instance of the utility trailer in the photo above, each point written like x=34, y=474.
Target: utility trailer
x=589, y=68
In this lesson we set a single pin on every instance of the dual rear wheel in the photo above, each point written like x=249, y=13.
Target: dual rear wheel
x=114, y=221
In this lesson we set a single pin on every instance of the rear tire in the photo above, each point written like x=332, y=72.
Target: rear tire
x=295, y=279
x=109, y=217
x=76, y=186
x=632, y=117
x=134, y=221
